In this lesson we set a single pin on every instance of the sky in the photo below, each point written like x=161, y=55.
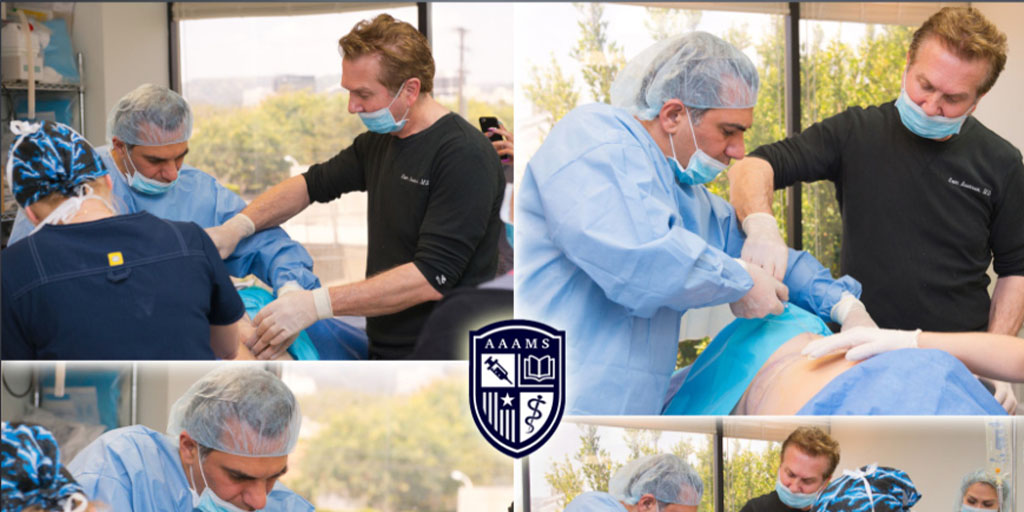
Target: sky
x=308, y=45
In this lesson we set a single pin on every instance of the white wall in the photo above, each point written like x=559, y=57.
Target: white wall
x=124, y=45
x=1001, y=108
x=935, y=452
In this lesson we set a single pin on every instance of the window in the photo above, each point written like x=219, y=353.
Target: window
x=267, y=100
x=391, y=436
x=842, y=64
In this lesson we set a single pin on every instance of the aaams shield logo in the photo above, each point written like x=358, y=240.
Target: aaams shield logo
x=517, y=383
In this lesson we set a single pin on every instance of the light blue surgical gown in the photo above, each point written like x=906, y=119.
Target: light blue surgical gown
x=197, y=197
x=613, y=250
x=138, y=469
x=594, y=501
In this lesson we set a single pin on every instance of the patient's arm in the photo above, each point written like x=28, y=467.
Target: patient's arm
x=995, y=356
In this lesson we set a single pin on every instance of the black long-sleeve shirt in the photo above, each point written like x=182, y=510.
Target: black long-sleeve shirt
x=433, y=200
x=922, y=219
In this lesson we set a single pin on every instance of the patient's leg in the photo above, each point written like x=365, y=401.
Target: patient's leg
x=788, y=380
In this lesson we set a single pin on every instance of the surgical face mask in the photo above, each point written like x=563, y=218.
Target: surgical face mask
x=700, y=169
x=924, y=125
x=142, y=184
x=509, y=234
x=381, y=121
x=70, y=207
x=208, y=501
x=792, y=499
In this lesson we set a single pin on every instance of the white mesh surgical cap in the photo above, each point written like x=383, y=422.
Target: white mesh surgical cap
x=985, y=477
x=699, y=69
x=666, y=477
x=241, y=410
x=151, y=115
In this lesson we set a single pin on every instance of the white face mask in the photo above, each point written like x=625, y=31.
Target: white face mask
x=70, y=207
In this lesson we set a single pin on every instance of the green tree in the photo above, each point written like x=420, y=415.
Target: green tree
x=599, y=58
x=395, y=454
x=551, y=91
x=663, y=23
x=749, y=472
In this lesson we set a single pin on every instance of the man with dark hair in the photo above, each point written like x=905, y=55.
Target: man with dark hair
x=227, y=443
x=809, y=457
x=435, y=187
x=929, y=196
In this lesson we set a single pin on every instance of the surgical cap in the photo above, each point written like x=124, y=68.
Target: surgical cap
x=32, y=472
x=699, y=69
x=666, y=477
x=241, y=410
x=151, y=115
x=49, y=157
x=980, y=475
x=879, y=489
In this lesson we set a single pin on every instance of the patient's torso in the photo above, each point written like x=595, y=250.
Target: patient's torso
x=788, y=379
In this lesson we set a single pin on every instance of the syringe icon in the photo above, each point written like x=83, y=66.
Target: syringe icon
x=498, y=370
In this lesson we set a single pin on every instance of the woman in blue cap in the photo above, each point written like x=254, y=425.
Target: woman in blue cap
x=91, y=284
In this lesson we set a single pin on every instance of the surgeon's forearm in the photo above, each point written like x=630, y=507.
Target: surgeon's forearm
x=389, y=292
x=1007, y=311
x=990, y=355
x=282, y=202
x=224, y=341
x=751, y=183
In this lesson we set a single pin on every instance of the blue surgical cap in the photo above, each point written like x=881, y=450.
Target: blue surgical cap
x=241, y=410
x=49, y=157
x=701, y=70
x=870, y=488
x=983, y=476
x=32, y=472
x=666, y=477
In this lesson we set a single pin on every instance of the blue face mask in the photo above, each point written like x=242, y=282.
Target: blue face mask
x=700, y=169
x=792, y=499
x=144, y=185
x=509, y=233
x=924, y=125
x=381, y=121
x=208, y=501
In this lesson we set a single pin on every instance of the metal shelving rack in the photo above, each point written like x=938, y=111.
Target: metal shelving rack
x=8, y=86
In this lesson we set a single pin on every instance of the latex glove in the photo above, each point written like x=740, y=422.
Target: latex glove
x=862, y=342
x=764, y=246
x=850, y=312
x=766, y=297
x=227, y=235
x=281, y=321
x=1003, y=394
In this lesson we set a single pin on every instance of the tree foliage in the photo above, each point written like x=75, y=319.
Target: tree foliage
x=245, y=147
x=395, y=453
x=599, y=58
x=834, y=75
x=749, y=472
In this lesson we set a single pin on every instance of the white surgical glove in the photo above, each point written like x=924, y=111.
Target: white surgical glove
x=850, y=312
x=227, y=235
x=766, y=297
x=862, y=342
x=281, y=321
x=1003, y=394
x=764, y=246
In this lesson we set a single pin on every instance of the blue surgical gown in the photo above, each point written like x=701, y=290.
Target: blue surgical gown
x=614, y=250
x=138, y=469
x=197, y=197
x=594, y=501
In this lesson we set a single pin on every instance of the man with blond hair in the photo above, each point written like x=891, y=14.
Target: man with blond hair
x=929, y=196
x=434, y=187
x=809, y=457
